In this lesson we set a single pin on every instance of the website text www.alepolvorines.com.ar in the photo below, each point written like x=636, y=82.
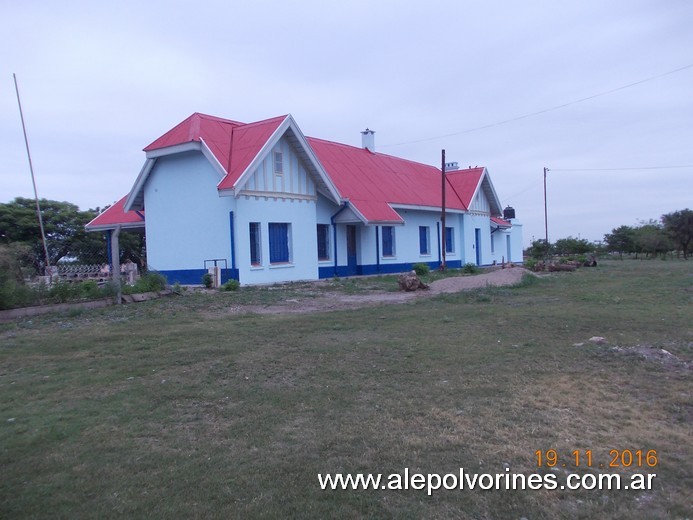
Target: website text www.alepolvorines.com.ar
x=433, y=482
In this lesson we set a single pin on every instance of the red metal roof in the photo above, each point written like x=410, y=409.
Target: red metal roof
x=233, y=144
x=464, y=183
x=247, y=141
x=372, y=182
x=116, y=216
x=500, y=222
x=211, y=129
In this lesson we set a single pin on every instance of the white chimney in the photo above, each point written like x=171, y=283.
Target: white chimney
x=368, y=140
x=452, y=166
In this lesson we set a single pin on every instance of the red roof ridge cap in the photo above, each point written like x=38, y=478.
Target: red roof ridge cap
x=265, y=121
x=465, y=170
x=215, y=118
x=379, y=154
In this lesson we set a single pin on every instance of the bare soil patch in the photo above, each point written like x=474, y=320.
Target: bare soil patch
x=336, y=301
x=497, y=278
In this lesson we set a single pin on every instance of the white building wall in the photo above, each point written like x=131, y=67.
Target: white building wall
x=303, y=251
x=516, y=242
x=325, y=210
x=408, y=246
x=499, y=250
x=294, y=179
x=471, y=223
x=455, y=221
x=186, y=221
x=480, y=204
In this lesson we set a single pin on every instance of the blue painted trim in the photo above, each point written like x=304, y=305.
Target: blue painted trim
x=334, y=232
x=233, y=244
x=440, y=245
x=109, y=250
x=377, y=247
x=327, y=272
x=371, y=269
x=194, y=276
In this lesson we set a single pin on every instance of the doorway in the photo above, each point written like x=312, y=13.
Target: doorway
x=352, y=267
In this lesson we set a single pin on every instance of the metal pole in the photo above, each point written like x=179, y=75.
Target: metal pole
x=546, y=216
x=115, y=252
x=442, y=214
x=33, y=181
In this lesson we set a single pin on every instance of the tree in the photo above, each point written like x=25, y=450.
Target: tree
x=64, y=228
x=621, y=240
x=538, y=249
x=573, y=246
x=651, y=239
x=679, y=226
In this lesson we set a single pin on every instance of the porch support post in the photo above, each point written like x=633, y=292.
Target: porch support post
x=115, y=254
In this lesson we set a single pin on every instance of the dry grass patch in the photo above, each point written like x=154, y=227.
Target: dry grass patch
x=175, y=408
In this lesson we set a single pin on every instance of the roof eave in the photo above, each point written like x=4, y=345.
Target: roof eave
x=207, y=152
x=109, y=227
x=173, y=149
x=426, y=208
x=286, y=124
x=243, y=177
x=135, y=200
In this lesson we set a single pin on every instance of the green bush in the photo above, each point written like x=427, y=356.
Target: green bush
x=231, y=285
x=530, y=263
x=421, y=269
x=13, y=294
x=470, y=268
x=207, y=280
x=150, y=282
x=61, y=292
x=90, y=290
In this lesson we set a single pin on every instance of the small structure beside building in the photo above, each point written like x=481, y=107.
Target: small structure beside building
x=266, y=204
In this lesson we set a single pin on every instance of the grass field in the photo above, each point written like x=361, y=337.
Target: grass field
x=175, y=408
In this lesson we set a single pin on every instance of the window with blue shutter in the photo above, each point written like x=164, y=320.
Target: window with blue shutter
x=323, y=242
x=449, y=244
x=388, y=241
x=279, y=242
x=255, y=258
x=424, y=247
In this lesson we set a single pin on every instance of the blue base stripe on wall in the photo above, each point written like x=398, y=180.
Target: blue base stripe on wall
x=329, y=272
x=194, y=276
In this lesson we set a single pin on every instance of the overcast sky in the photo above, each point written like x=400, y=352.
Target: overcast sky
x=101, y=80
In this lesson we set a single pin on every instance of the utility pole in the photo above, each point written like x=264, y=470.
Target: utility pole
x=443, y=266
x=33, y=181
x=546, y=215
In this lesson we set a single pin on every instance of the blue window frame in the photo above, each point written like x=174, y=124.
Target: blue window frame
x=388, y=241
x=255, y=258
x=424, y=240
x=323, y=242
x=449, y=243
x=279, y=242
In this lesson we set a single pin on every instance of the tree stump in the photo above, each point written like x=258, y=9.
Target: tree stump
x=410, y=282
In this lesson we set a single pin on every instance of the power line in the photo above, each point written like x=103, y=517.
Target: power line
x=621, y=169
x=636, y=168
x=544, y=111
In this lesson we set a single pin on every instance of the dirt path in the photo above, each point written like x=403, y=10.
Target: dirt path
x=500, y=277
